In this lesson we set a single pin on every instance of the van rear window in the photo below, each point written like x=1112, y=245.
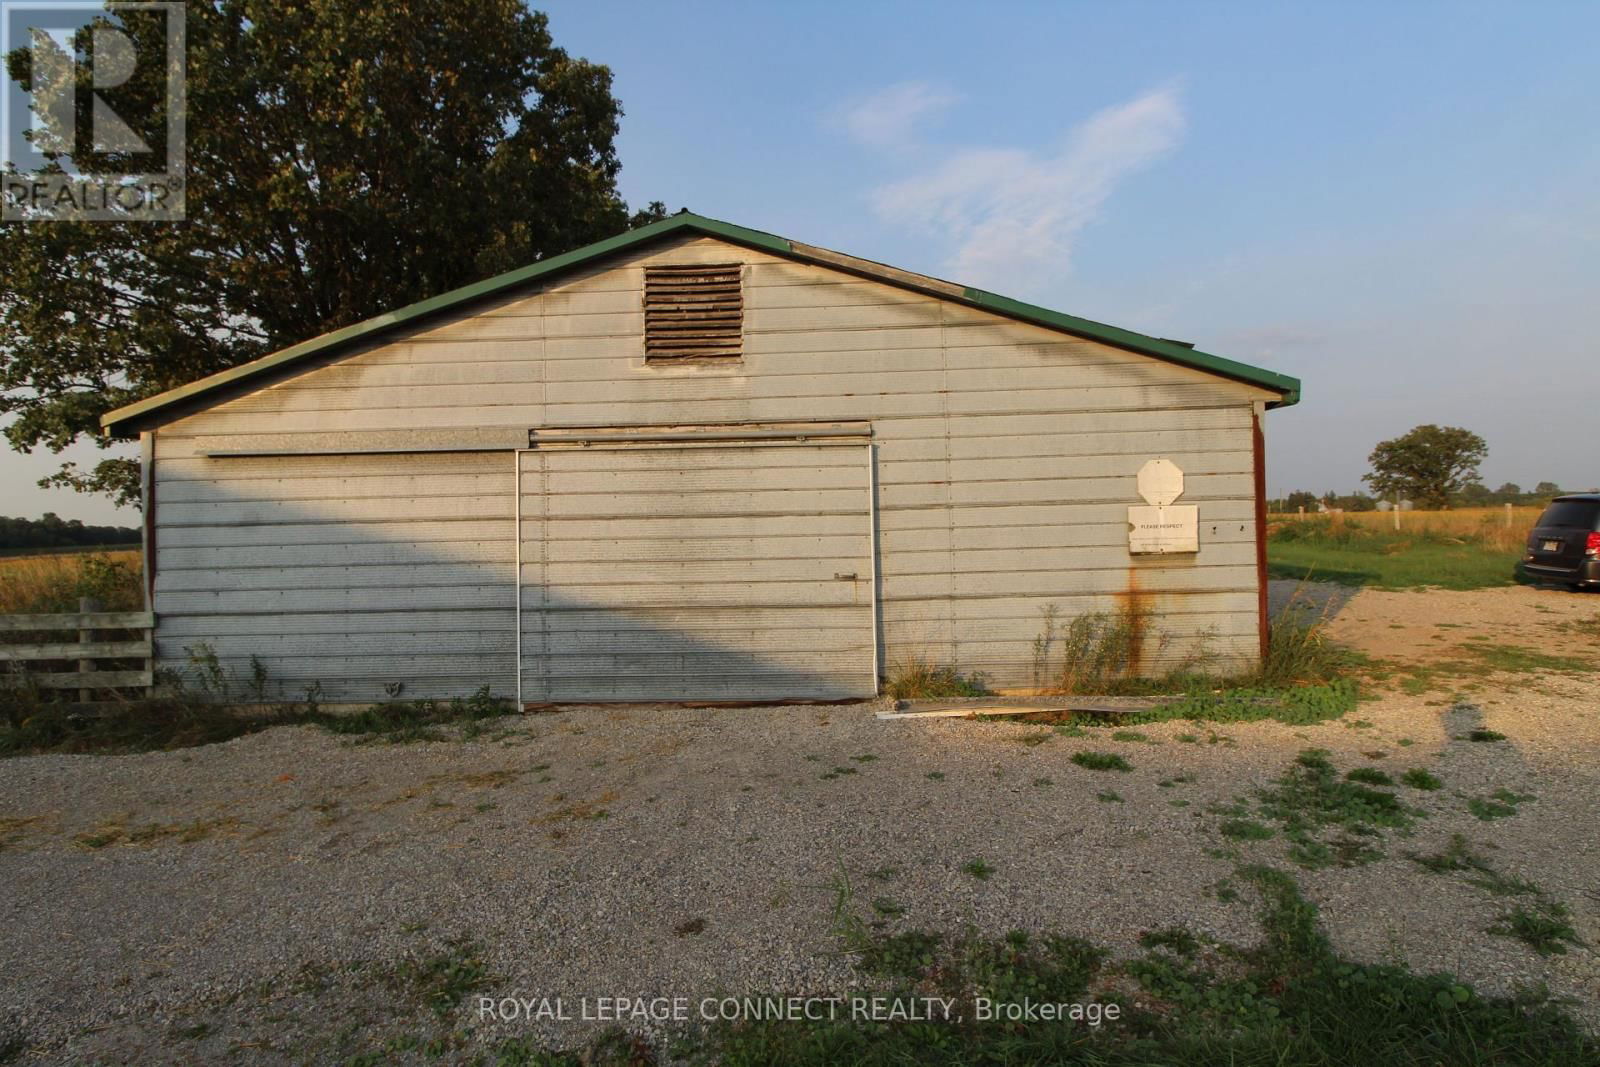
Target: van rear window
x=1579, y=514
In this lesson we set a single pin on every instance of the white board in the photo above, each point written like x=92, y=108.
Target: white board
x=1159, y=530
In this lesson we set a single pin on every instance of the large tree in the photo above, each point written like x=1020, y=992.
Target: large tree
x=1428, y=465
x=345, y=157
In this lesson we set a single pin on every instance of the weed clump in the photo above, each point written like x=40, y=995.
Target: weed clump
x=1094, y=653
x=1310, y=800
x=1101, y=761
x=1417, y=778
x=414, y=720
x=915, y=677
x=1544, y=926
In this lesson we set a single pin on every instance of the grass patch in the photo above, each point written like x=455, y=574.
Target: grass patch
x=1484, y=735
x=1352, y=553
x=1458, y=856
x=1368, y=776
x=1541, y=923
x=205, y=703
x=443, y=980
x=1514, y=659
x=1288, y=1000
x=1589, y=627
x=152, y=725
x=1101, y=761
x=1133, y=736
x=1109, y=797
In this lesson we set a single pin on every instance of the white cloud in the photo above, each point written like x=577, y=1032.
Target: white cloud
x=1014, y=213
x=888, y=118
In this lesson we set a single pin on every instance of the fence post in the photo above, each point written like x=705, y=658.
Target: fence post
x=1508, y=516
x=1397, y=513
x=86, y=605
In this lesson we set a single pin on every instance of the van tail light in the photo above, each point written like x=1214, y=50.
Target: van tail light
x=1591, y=547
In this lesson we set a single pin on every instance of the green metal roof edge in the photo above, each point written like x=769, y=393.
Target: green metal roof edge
x=1288, y=387
x=1153, y=346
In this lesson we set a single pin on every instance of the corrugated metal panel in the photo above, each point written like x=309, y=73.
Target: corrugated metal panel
x=353, y=572
x=697, y=572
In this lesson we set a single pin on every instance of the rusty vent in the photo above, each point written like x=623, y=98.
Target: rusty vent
x=692, y=312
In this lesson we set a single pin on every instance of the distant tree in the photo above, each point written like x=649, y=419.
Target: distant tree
x=50, y=531
x=1429, y=465
x=1300, y=499
x=1547, y=489
x=1475, y=494
x=1509, y=489
x=344, y=158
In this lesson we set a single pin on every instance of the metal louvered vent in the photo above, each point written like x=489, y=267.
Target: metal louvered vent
x=692, y=312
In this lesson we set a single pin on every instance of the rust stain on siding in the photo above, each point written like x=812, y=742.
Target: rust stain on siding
x=1136, y=606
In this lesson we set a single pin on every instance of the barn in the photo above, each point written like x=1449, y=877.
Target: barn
x=701, y=462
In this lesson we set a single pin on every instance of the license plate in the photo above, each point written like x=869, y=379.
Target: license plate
x=1550, y=546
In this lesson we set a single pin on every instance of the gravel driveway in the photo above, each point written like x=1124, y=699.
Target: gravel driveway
x=263, y=897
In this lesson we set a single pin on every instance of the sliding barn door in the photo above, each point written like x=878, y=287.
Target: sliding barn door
x=695, y=572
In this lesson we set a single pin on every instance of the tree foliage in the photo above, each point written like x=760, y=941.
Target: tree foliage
x=345, y=158
x=1429, y=465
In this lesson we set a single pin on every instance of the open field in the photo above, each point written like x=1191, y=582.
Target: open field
x=1468, y=549
x=1248, y=892
x=42, y=583
x=1482, y=525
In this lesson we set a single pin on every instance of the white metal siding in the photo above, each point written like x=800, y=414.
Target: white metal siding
x=1006, y=451
x=697, y=572
x=355, y=572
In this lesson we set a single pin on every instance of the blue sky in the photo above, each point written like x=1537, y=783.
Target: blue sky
x=1398, y=203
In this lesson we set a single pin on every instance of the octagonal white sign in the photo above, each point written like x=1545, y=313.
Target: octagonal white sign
x=1160, y=482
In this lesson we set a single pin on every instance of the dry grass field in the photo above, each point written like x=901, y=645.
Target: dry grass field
x=1486, y=526
x=53, y=582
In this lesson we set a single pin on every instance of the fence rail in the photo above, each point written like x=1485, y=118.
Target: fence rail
x=17, y=659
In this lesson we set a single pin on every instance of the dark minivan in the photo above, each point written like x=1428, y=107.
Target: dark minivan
x=1565, y=544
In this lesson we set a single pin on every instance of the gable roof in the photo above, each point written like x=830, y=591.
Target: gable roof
x=185, y=398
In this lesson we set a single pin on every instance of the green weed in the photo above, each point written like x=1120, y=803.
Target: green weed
x=1310, y=800
x=1417, y=778
x=979, y=869
x=1544, y=926
x=1101, y=761
x=1246, y=830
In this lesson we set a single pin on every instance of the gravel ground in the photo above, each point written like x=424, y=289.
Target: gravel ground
x=255, y=898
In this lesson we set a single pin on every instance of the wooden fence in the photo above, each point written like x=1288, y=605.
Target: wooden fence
x=38, y=663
